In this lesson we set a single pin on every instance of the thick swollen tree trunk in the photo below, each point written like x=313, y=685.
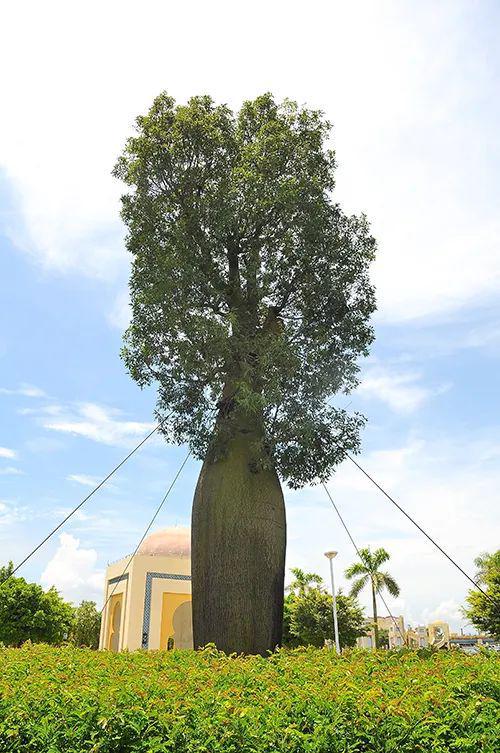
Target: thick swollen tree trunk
x=238, y=552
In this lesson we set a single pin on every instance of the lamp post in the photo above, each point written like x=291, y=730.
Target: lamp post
x=330, y=556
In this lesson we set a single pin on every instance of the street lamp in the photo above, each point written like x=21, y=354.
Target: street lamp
x=330, y=556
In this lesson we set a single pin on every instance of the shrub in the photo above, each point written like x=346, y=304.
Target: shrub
x=76, y=700
x=86, y=625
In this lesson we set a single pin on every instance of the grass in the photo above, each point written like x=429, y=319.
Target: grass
x=73, y=700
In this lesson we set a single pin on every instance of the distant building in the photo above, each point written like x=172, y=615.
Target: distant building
x=149, y=605
x=395, y=628
x=435, y=635
x=472, y=643
x=417, y=637
x=439, y=634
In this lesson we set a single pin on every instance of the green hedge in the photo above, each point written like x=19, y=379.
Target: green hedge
x=74, y=700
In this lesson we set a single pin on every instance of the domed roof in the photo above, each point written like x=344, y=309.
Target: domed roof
x=168, y=542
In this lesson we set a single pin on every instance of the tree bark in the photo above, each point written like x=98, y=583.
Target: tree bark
x=375, y=616
x=238, y=552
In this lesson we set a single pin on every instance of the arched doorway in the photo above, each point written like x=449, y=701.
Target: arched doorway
x=115, y=619
x=176, y=621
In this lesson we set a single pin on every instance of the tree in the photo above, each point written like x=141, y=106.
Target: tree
x=483, y=609
x=308, y=615
x=86, y=625
x=487, y=565
x=367, y=571
x=303, y=581
x=383, y=639
x=250, y=302
x=27, y=612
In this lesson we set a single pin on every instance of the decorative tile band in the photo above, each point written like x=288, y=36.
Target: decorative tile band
x=118, y=578
x=106, y=615
x=147, y=600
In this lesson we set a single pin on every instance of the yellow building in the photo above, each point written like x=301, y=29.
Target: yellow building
x=395, y=627
x=149, y=605
x=417, y=637
x=436, y=634
x=439, y=634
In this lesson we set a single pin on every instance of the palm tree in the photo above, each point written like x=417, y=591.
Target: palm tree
x=304, y=581
x=368, y=571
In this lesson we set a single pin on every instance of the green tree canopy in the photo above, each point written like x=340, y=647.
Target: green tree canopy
x=303, y=582
x=484, y=610
x=27, y=612
x=308, y=617
x=86, y=625
x=249, y=284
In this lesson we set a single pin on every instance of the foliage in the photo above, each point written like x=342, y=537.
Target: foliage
x=484, y=611
x=310, y=619
x=28, y=613
x=303, y=582
x=367, y=571
x=308, y=616
x=6, y=571
x=86, y=625
x=249, y=285
x=301, y=701
x=383, y=638
x=486, y=564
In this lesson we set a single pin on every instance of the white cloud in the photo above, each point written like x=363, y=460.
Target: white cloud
x=48, y=410
x=95, y=422
x=11, y=512
x=448, y=611
x=107, y=528
x=6, y=452
x=422, y=169
x=72, y=570
x=25, y=390
x=90, y=481
x=11, y=470
x=403, y=392
x=83, y=479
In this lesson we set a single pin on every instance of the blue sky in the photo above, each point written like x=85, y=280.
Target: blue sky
x=412, y=92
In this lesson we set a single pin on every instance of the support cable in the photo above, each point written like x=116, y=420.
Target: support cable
x=75, y=509
x=155, y=515
x=396, y=624
x=433, y=541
